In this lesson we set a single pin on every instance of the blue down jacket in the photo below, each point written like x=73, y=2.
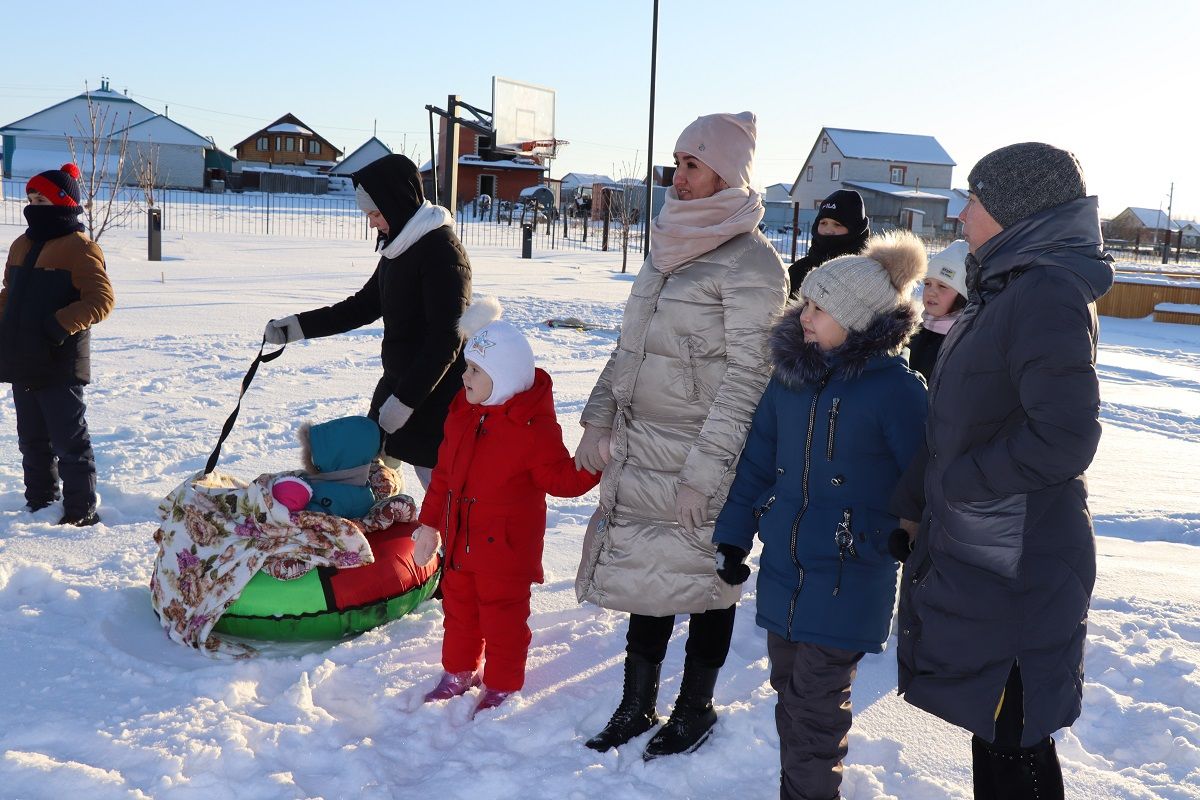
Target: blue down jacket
x=831, y=437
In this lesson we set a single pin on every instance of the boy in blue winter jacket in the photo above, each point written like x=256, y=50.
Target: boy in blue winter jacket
x=838, y=423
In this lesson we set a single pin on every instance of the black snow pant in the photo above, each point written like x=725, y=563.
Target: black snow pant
x=53, y=437
x=812, y=715
x=709, y=635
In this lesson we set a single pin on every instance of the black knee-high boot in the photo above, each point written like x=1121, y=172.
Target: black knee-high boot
x=693, y=717
x=635, y=713
x=1016, y=773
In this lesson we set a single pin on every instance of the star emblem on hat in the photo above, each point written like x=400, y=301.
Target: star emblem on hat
x=481, y=343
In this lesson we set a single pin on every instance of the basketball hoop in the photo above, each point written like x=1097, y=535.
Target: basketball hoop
x=547, y=148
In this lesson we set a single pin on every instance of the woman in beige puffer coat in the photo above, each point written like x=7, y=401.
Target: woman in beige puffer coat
x=666, y=422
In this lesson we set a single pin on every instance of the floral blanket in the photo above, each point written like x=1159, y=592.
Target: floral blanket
x=217, y=532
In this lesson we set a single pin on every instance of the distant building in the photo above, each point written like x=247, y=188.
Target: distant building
x=480, y=171
x=1148, y=226
x=370, y=150
x=288, y=142
x=904, y=178
x=41, y=141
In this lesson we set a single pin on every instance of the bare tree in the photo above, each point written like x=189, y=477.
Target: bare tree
x=93, y=152
x=626, y=206
x=148, y=172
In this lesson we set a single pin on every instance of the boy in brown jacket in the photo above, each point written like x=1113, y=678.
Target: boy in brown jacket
x=55, y=288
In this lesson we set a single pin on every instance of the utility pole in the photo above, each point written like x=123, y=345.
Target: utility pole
x=650, y=145
x=1166, y=255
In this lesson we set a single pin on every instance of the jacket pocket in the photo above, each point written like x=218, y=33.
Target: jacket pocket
x=987, y=534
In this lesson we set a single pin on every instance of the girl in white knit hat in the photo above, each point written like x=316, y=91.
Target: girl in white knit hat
x=501, y=455
x=944, y=295
x=839, y=422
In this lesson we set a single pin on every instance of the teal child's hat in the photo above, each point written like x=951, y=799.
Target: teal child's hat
x=338, y=446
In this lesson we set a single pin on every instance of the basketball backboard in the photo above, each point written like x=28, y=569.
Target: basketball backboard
x=522, y=113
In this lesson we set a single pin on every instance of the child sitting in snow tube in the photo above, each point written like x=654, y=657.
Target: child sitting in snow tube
x=319, y=554
x=325, y=602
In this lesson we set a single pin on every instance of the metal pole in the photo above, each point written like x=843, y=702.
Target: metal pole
x=1166, y=253
x=433, y=160
x=450, y=176
x=650, y=135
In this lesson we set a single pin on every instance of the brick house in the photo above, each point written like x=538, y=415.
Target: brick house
x=480, y=171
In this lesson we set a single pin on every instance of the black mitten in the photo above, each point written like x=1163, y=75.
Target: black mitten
x=730, y=566
x=899, y=545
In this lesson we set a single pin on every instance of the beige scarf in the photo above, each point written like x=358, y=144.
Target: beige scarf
x=686, y=229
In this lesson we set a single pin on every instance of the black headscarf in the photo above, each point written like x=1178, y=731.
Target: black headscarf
x=394, y=183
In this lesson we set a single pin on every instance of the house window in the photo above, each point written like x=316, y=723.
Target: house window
x=278, y=143
x=898, y=175
x=264, y=143
x=289, y=144
x=835, y=171
x=314, y=147
x=808, y=174
x=824, y=144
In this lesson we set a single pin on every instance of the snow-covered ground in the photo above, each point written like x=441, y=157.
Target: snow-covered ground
x=98, y=703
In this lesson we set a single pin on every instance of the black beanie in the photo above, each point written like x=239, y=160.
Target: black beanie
x=1020, y=180
x=844, y=206
x=59, y=186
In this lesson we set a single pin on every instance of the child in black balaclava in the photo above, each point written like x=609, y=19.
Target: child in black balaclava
x=840, y=229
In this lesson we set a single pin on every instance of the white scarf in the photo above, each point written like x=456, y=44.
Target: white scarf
x=427, y=218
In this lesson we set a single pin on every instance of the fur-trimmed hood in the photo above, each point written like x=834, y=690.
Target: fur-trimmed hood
x=798, y=363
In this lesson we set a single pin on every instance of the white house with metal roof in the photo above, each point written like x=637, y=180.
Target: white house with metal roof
x=370, y=150
x=904, y=178
x=41, y=141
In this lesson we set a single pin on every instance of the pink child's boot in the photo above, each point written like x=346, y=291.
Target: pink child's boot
x=490, y=698
x=453, y=684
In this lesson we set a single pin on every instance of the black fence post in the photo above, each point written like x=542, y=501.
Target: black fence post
x=607, y=218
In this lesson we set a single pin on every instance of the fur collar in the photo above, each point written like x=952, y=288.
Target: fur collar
x=799, y=363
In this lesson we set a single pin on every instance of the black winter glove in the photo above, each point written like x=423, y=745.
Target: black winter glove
x=899, y=545
x=730, y=566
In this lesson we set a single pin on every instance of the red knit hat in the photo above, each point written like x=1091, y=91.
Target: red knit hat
x=59, y=186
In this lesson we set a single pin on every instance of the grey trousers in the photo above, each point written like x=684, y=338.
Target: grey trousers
x=812, y=715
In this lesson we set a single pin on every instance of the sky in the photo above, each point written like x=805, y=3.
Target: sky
x=1110, y=81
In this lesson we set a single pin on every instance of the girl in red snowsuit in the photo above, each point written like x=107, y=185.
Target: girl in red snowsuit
x=501, y=455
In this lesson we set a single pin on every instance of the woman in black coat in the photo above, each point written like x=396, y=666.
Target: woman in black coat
x=995, y=596
x=420, y=288
x=840, y=229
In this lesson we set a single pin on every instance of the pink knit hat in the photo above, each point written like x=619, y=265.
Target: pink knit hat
x=725, y=142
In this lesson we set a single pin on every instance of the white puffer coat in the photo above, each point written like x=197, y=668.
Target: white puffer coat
x=678, y=393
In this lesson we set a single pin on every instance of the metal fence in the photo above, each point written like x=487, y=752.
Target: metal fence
x=338, y=217
x=256, y=213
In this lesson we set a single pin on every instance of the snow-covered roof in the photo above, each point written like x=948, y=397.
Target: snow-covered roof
x=476, y=161
x=584, y=179
x=164, y=130
x=290, y=127
x=905, y=192
x=370, y=150
x=65, y=118
x=1154, y=218
x=880, y=146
